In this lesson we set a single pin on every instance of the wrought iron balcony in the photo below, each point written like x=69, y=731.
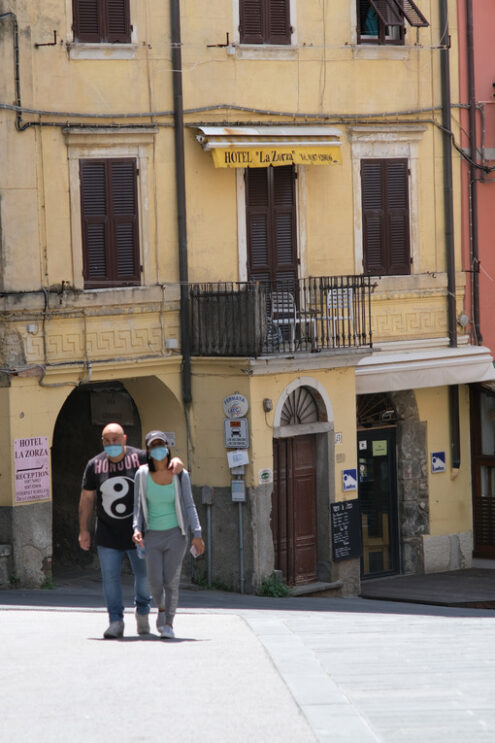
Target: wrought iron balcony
x=321, y=313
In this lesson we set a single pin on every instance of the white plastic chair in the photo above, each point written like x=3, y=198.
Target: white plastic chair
x=284, y=314
x=340, y=312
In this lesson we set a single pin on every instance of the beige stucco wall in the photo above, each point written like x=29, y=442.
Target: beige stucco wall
x=450, y=491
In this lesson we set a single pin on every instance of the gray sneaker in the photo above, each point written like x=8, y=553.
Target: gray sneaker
x=114, y=631
x=167, y=632
x=142, y=624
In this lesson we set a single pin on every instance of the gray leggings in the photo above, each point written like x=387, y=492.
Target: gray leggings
x=165, y=551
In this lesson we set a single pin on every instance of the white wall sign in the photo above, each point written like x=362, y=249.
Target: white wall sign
x=32, y=474
x=235, y=405
x=238, y=491
x=237, y=457
x=236, y=433
x=265, y=477
x=349, y=479
x=438, y=462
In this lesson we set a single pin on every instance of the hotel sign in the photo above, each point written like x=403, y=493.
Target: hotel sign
x=262, y=157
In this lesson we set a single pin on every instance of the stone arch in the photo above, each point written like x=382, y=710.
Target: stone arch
x=321, y=401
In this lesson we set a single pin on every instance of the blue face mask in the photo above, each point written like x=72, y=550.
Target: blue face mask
x=159, y=453
x=113, y=450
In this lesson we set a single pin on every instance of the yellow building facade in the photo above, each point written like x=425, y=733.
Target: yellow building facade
x=273, y=230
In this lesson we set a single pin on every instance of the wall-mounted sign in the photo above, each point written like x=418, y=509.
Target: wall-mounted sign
x=237, y=458
x=238, y=491
x=32, y=477
x=171, y=437
x=438, y=462
x=349, y=479
x=338, y=438
x=346, y=530
x=379, y=448
x=236, y=433
x=235, y=405
x=265, y=477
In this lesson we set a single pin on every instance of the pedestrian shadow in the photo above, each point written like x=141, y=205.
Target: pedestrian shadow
x=148, y=638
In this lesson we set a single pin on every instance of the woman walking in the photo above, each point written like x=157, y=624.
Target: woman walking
x=164, y=512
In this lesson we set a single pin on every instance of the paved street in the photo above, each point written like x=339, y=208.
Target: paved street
x=247, y=668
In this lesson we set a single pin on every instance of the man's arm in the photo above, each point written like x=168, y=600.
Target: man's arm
x=176, y=465
x=86, y=506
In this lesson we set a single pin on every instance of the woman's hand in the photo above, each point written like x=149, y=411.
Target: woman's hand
x=198, y=543
x=137, y=537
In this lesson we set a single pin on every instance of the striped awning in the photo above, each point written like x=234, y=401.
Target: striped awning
x=259, y=147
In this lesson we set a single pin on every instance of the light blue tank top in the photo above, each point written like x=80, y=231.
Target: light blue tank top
x=160, y=500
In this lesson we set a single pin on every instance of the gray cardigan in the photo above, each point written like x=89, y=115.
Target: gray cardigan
x=187, y=515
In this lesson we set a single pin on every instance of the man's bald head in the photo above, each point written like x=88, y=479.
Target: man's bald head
x=112, y=428
x=113, y=435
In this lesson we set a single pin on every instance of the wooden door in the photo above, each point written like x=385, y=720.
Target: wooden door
x=294, y=510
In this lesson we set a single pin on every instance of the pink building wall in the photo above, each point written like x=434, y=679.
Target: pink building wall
x=484, y=77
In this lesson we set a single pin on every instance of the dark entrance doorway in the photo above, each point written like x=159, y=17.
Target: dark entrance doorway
x=77, y=438
x=377, y=492
x=483, y=470
x=294, y=508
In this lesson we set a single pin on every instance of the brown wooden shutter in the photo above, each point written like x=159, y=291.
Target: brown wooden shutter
x=94, y=211
x=96, y=21
x=109, y=223
x=283, y=226
x=385, y=205
x=270, y=219
x=251, y=21
x=278, y=22
x=398, y=215
x=124, y=220
x=118, y=22
x=87, y=21
x=265, y=21
x=258, y=224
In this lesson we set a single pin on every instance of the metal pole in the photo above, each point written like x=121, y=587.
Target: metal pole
x=208, y=545
x=241, y=551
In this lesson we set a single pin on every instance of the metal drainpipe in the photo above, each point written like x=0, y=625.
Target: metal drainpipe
x=15, y=34
x=455, y=446
x=180, y=180
x=473, y=176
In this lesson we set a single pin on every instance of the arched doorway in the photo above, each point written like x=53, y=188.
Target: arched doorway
x=77, y=438
x=300, y=487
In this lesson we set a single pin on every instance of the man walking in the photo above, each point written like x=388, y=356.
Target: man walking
x=108, y=482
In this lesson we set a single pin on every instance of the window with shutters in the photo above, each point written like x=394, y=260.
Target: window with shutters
x=109, y=222
x=385, y=210
x=98, y=21
x=383, y=21
x=264, y=22
x=271, y=226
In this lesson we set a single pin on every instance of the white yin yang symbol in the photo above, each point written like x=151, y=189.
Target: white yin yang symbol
x=114, y=497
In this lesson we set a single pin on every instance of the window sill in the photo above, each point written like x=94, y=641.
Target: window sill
x=262, y=51
x=102, y=51
x=381, y=51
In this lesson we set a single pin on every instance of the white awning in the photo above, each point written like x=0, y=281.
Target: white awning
x=436, y=367
x=261, y=146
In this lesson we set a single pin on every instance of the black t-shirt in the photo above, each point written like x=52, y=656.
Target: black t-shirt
x=114, y=486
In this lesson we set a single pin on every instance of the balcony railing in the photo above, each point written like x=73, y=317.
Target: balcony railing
x=255, y=319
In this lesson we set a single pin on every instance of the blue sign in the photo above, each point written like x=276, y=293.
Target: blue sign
x=438, y=461
x=349, y=479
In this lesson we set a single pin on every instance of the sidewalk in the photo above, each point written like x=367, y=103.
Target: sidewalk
x=297, y=669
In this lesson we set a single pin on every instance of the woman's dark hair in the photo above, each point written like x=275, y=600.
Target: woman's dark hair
x=151, y=461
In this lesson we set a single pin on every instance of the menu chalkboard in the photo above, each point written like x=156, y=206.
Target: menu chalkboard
x=346, y=529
